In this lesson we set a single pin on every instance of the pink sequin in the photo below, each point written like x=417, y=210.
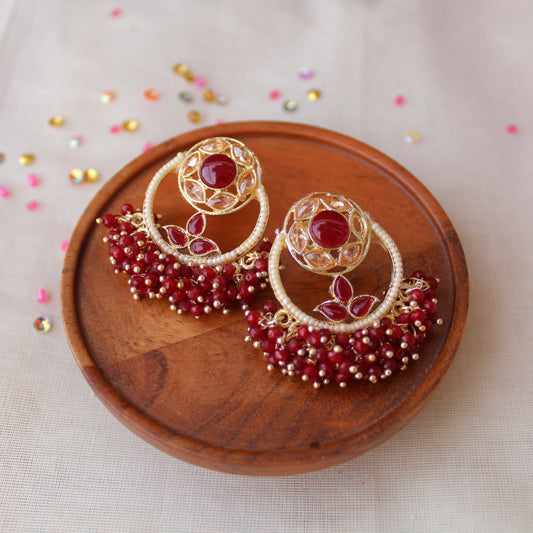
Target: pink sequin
x=33, y=204
x=42, y=296
x=4, y=193
x=219, y=121
x=399, y=100
x=274, y=95
x=116, y=12
x=147, y=147
x=33, y=180
x=512, y=128
x=115, y=129
x=64, y=245
x=199, y=81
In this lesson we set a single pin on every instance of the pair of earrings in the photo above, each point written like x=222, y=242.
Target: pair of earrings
x=357, y=337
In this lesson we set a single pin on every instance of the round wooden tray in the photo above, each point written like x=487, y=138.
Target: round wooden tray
x=194, y=388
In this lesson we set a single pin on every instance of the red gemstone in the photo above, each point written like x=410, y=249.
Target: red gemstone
x=218, y=171
x=196, y=224
x=342, y=288
x=361, y=305
x=333, y=311
x=202, y=246
x=329, y=229
x=177, y=236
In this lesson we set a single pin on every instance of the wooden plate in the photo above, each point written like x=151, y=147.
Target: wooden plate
x=194, y=388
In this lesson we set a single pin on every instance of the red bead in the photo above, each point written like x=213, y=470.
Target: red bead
x=390, y=364
x=274, y=333
x=418, y=274
x=109, y=220
x=169, y=284
x=403, y=318
x=257, y=333
x=303, y=332
x=408, y=338
x=125, y=240
x=136, y=282
x=205, y=286
x=219, y=282
x=329, y=229
x=117, y=253
x=374, y=371
x=335, y=357
x=171, y=271
x=386, y=322
x=280, y=356
x=342, y=377
x=177, y=296
x=294, y=345
x=321, y=354
x=219, y=296
x=314, y=339
x=228, y=270
x=128, y=227
x=360, y=347
x=384, y=348
x=197, y=310
x=231, y=293
x=251, y=277
x=311, y=371
x=261, y=265
x=268, y=346
x=433, y=283
x=417, y=315
x=376, y=333
x=266, y=246
x=185, y=283
x=326, y=369
x=342, y=339
x=126, y=209
x=417, y=295
x=185, y=306
x=395, y=332
x=194, y=293
x=252, y=318
x=429, y=306
x=269, y=307
x=218, y=171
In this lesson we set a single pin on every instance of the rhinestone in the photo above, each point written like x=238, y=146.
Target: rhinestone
x=191, y=165
x=76, y=141
x=194, y=117
x=320, y=260
x=349, y=254
x=42, y=324
x=215, y=145
x=222, y=100
x=305, y=73
x=243, y=155
x=306, y=209
x=76, y=175
x=290, y=105
x=26, y=159
x=208, y=95
x=334, y=202
x=194, y=191
x=91, y=174
x=313, y=94
x=184, y=96
x=246, y=183
x=56, y=121
x=222, y=201
x=413, y=137
x=107, y=97
x=130, y=125
x=298, y=238
x=152, y=94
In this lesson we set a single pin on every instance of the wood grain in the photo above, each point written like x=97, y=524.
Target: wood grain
x=193, y=388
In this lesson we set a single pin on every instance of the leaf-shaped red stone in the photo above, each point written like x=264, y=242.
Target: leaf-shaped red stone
x=196, y=224
x=361, y=305
x=202, y=246
x=177, y=236
x=342, y=289
x=333, y=310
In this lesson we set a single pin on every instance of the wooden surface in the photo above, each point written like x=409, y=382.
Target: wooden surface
x=193, y=388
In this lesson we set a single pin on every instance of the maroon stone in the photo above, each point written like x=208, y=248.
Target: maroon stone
x=196, y=224
x=329, y=229
x=361, y=305
x=218, y=171
x=177, y=236
x=202, y=246
x=342, y=289
x=333, y=311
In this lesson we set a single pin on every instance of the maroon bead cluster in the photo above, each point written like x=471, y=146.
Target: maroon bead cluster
x=369, y=354
x=189, y=289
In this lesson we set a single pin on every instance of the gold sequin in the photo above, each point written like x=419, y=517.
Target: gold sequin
x=183, y=70
x=26, y=159
x=209, y=95
x=290, y=105
x=313, y=94
x=152, y=94
x=76, y=175
x=194, y=116
x=2, y=158
x=413, y=137
x=91, y=174
x=108, y=96
x=56, y=121
x=130, y=125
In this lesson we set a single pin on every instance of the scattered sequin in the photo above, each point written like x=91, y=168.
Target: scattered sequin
x=219, y=121
x=194, y=116
x=32, y=205
x=305, y=73
x=116, y=12
x=199, y=81
x=290, y=105
x=183, y=70
x=56, y=121
x=91, y=175
x=108, y=96
x=115, y=128
x=221, y=100
x=2, y=158
x=512, y=128
x=313, y=94
x=4, y=193
x=399, y=100
x=185, y=96
x=209, y=95
x=33, y=180
x=26, y=159
x=152, y=94
x=64, y=245
x=76, y=175
x=413, y=137
x=76, y=141
x=42, y=324
x=42, y=296
x=130, y=125
x=274, y=95
x=147, y=146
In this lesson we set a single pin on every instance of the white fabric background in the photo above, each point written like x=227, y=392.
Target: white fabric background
x=465, y=463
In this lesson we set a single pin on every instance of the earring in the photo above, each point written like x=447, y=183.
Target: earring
x=216, y=177
x=358, y=336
